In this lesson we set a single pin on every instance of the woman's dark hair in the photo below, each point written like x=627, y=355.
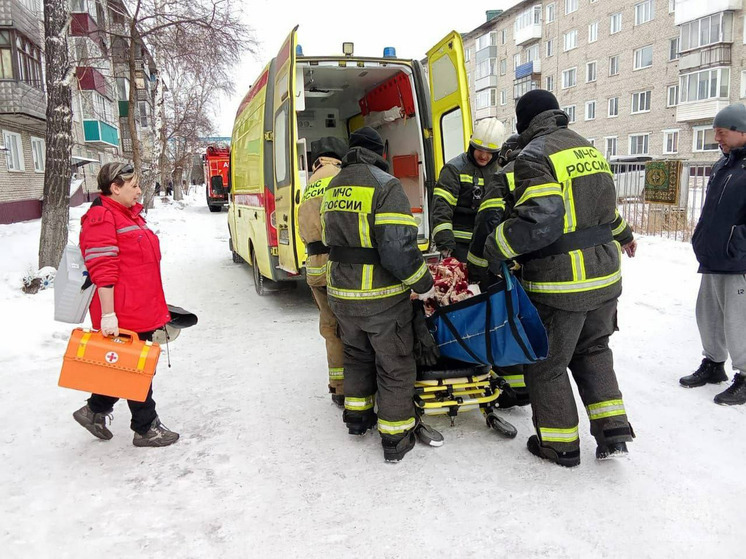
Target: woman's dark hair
x=114, y=173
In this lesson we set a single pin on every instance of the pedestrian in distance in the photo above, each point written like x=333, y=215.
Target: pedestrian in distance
x=460, y=189
x=719, y=243
x=123, y=260
x=567, y=235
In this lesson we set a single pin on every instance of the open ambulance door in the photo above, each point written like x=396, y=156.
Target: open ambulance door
x=449, y=99
x=290, y=248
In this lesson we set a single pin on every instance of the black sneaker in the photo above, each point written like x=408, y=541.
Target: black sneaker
x=566, y=459
x=394, y=451
x=94, y=422
x=708, y=372
x=735, y=394
x=611, y=450
x=157, y=435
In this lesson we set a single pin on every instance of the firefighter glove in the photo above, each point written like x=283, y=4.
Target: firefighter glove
x=426, y=351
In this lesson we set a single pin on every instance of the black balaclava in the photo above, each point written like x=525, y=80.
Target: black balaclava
x=531, y=104
x=367, y=137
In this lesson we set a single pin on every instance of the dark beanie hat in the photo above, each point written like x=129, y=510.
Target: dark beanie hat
x=531, y=104
x=732, y=117
x=367, y=138
x=328, y=146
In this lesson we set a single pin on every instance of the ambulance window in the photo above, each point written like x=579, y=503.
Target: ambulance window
x=452, y=125
x=445, y=80
x=281, y=145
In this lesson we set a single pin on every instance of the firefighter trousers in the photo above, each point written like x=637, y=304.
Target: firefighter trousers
x=578, y=340
x=334, y=347
x=379, y=357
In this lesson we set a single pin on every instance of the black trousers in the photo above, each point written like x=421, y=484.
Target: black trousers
x=143, y=413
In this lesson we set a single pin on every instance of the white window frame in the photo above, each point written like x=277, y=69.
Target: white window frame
x=611, y=58
x=676, y=95
x=549, y=83
x=644, y=9
x=550, y=13
x=671, y=6
x=566, y=75
x=645, y=141
x=593, y=32
x=13, y=143
x=638, y=57
x=590, y=105
x=615, y=17
x=38, y=153
x=550, y=48
x=503, y=66
x=696, y=130
x=516, y=60
x=607, y=155
x=570, y=40
x=671, y=132
x=571, y=6
x=615, y=102
x=591, y=68
x=503, y=97
x=743, y=84
x=641, y=99
x=673, y=55
x=570, y=110
x=467, y=54
x=719, y=84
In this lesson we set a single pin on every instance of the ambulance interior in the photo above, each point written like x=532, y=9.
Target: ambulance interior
x=336, y=100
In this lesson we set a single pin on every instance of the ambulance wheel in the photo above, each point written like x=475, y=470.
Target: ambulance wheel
x=258, y=277
x=501, y=426
x=215, y=209
x=236, y=257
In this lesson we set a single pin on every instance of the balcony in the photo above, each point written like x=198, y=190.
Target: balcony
x=528, y=34
x=22, y=103
x=83, y=25
x=718, y=55
x=690, y=10
x=15, y=14
x=700, y=110
x=485, y=82
x=100, y=133
x=533, y=67
x=485, y=54
x=91, y=79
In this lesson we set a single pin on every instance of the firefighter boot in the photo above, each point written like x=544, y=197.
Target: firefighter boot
x=611, y=450
x=395, y=449
x=358, y=423
x=735, y=394
x=336, y=389
x=568, y=459
x=708, y=372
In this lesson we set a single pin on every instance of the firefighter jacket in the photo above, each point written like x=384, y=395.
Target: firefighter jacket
x=120, y=250
x=456, y=199
x=719, y=240
x=491, y=211
x=309, y=220
x=367, y=218
x=564, y=227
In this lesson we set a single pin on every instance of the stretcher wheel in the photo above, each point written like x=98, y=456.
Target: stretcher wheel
x=501, y=426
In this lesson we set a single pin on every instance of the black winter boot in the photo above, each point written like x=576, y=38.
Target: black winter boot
x=567, y=459
x=357, y=423
x=611, y=450
x=735, y=394
x=708, y=372
x=394, y=451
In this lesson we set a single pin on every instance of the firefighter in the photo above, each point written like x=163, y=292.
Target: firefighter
x=326, y=155
x=460, y=189
x=374, y=262
x=568, y=236
x=497, y=204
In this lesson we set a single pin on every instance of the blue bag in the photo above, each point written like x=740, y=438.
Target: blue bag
x=500, y=327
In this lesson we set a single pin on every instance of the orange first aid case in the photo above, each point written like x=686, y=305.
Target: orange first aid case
x=122, y=366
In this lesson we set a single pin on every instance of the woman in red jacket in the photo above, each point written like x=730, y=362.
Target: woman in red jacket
x=123, y=259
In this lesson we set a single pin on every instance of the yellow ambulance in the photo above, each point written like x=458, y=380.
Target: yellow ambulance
x=423, y=117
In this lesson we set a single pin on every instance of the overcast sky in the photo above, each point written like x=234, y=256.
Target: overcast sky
x=411, y=26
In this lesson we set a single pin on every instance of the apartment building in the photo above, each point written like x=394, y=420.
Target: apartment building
x=638, y=78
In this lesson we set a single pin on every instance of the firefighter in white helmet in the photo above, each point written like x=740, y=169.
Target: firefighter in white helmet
x=461, y=187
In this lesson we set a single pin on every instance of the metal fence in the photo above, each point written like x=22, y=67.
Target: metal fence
x=672, y=221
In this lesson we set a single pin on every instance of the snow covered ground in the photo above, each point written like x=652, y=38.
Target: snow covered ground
x=265, y=467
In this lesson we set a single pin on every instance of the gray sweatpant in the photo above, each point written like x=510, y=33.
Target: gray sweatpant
x=721, y=318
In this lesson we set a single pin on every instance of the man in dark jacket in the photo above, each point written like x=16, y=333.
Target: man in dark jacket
x=719, y=242
x=566, y=232
x=374, y=263
x=460, y=189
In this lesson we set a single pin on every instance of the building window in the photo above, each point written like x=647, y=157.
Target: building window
x=503, y=66
x=643, y=57
x=38, y=153
x=571, y=6
x=593, y=32
x=639, y=144
x=592, y=141
x=703, y=85
x=671, y=6
x=569, y=78
x=717, y=28
x=527, y=18
x=550, y=48
x=487, y=40
x=467, y=54
x=590, y=72
x=670, y=141
x=549, y=83
x=616, y=23
x=610, y=148
x=743, y=84
x=590, y=110
x=524, y=85
x=486, y=68
x=613, y=106
x=704, y=139
x=672, y=96
x=6, y=56
x=503, y=36
x=673, y=49
x=503, y=97
x=14, y=153
x=570, y=110
x=28, y=59
x=641, y=102
x=532, y=53
x=644, y=12
x=144, y=110
x=100, y=108
x=516, y=60
x=486, y=98
x=570, y=40
x=550, y=12
x=614, y=65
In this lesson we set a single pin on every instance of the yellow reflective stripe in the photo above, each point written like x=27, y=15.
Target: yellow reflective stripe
x=358, y=404
x=465, y=235
x=316, y=188
x=548, y=189
x=474, y=259
x=622, y=225
x=578, y=162
x=336, y=373
x=549, y=434
x=447, y=196
x=489, y=145
x=502, y=242
x=316, y=270
x=414, y=278
x=144, y=356
x=362, y=294
x=83, y=343
x=568, y=199
x=367, y=281
x=572, y=286
x=364, y=229
x=466, y=178
x=498, y=203
x=395, y=219
x=443, y=227
x=609, y=408
x=515, y=381
x=395, y=427
x=578, y=265
x=511, y=181
x=357, y=199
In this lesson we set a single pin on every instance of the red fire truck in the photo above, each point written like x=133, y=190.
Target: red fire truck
x=215, y=163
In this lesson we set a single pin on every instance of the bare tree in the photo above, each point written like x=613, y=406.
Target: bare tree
x=59, y=76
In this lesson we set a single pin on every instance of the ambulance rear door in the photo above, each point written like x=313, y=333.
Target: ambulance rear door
x=290, y=248
x=449, y=99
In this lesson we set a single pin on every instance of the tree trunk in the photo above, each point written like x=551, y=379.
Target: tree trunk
x=132, y=99
x=59, y=75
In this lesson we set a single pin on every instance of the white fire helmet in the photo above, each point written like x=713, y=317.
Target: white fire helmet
x=489, y=134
